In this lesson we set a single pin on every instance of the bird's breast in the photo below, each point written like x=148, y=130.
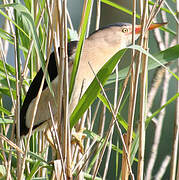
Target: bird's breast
x=43, y=112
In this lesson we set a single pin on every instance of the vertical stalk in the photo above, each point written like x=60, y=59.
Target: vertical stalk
x=66, y=95
x=17, y=106
x=143, y=59
x=143, y=95
x=128, y=140
x=176, y=123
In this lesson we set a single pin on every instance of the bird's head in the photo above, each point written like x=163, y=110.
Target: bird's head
x=119, y=34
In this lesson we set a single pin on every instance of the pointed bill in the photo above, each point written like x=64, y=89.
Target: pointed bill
x=151, y=27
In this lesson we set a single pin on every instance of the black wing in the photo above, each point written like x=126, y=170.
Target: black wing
x=35, y=86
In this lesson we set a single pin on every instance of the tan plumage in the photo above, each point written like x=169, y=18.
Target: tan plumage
x=97, y=50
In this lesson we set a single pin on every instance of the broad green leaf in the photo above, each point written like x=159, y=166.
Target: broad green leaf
x=163, y=57
x=93, y=90
x=136, y=47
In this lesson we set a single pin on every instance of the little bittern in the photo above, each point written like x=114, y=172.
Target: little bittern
x=98, y=48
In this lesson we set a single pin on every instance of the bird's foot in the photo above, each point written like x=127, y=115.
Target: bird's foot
x=77, y=137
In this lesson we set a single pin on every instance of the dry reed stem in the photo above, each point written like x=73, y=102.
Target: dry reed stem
x=153, y=8
x=55, y=37
x=143, y=59
x=11, y=144
x=66, y=95
x=133, y=88
x=155, y=12
x=125, y=151
x=63, y=122
x=60, y=36
x=57, y=144
x=125, y=170
x=142, y=115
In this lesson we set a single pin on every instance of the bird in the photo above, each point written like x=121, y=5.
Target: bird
x=98, y=48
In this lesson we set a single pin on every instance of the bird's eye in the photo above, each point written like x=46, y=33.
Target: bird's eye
x=124, y=30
